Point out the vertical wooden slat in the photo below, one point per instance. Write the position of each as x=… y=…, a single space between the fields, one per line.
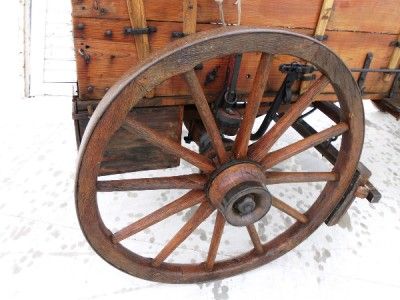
x=138 y=20
x=320 y=29
x=324 y=16
x=394 y=60
x=189 y=16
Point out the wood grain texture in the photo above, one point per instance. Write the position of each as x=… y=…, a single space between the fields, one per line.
x=287 y=209
x=137 y=17
x=194 y=181
x=293 y=177
x=394 y=61
x=112 y=57
x=215 y=241
x=324 y=16
x=252 y=107
x=206 y=115
x=275 y=157
x=168 y=145
x=199 y=216
x=188 y=200
x=126 y=152
x=189 y=16
x=347 y=16
x=255 y=239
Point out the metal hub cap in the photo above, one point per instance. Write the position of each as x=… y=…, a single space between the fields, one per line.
x=238 y=191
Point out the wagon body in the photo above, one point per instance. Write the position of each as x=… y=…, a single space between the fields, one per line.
x=105 y=50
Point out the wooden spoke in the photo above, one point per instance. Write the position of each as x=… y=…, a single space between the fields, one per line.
x=200 y=215
x=215 y=241
x=273 y=158
x=190 y=182
x=206 y=115
x=168 y=144
x=253 y=104
x=291 y=177
x=287 y=209
x=188 y=200
x=259 y=149
x=255 y=239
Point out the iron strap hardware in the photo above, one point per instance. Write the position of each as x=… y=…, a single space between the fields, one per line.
x=321 y=38
x=395 y=44
x=85 y=55
x=136 y=31
x=294 y=72
x=178 y=34
x=363 y=75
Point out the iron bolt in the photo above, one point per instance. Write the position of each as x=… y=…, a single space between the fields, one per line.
x=80 y=26
x=245 y=205
x=108 y=33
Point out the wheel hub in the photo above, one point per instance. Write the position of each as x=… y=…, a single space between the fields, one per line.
x=238 y=191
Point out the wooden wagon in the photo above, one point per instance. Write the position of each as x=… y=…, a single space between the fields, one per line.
x=213 y=67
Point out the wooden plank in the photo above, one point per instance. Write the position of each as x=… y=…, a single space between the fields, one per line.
x=324 y=16
x=138 y=20
x=127 y=152
x=394 y=60
x=110 y=58
x=319 y=34
x=189 y=16
x=352 y=15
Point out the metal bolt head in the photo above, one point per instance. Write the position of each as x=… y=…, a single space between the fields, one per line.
x=108 y=33
x=245 y=205
x=80 y=26
x=90 y=89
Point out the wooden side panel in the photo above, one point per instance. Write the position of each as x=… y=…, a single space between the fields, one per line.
x=112 y=57
x=355 y=15
x=128 y=153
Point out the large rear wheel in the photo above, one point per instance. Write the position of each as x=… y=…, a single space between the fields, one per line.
x=237 y=181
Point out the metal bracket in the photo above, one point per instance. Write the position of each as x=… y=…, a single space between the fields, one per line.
x=178 y=34
x=363 y=75
x=321 y=38
x=136 y=31
x=395 y=44
x=85 y=55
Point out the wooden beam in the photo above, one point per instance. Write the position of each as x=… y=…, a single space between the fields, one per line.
x=138 y=20
x=189 y=16
x=394 y=60
x=324 y=16
x=319 y=33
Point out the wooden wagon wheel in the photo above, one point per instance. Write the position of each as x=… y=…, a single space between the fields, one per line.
x=236 y=183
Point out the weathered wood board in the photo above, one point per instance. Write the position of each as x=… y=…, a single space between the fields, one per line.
x=111 y=57
x=354 y=15
x=126 y=152
x=104 y=52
